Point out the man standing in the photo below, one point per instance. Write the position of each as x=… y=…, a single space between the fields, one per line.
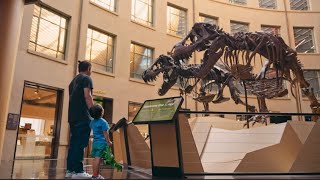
x=80 y=101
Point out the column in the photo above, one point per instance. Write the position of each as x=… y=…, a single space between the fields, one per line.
x=11 y=13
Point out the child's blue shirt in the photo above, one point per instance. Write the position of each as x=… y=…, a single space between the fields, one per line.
x=98 y=126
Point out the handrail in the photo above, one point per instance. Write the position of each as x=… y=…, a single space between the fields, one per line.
x=252 y=174
x=122 y=122
x=248 y=113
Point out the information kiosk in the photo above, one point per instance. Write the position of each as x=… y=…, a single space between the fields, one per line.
x=165 y=144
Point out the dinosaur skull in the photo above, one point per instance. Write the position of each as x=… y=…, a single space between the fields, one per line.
x=201 y=37
x=165 y=65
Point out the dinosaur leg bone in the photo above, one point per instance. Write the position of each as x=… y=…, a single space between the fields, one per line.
x=314 y=104
x=234 y=92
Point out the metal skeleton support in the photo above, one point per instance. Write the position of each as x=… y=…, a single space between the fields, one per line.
x=246 y=97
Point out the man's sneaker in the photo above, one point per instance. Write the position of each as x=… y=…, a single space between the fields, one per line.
x=69 y=174
x=98 y=177
x=82 y=175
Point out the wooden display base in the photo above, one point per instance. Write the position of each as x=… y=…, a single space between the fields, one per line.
x=172 y=151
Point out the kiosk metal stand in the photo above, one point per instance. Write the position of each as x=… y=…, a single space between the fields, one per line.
x=165 y=146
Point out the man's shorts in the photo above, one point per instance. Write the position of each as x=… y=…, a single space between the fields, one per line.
x=97 y=149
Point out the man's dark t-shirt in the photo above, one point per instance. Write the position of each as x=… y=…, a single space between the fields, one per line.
x=78 y=109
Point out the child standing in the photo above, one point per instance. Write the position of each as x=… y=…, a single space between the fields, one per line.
x=101 y=138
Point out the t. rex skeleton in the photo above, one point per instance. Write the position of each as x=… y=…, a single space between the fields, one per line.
x=215 y=42
x=177 y=71
x=243 y=46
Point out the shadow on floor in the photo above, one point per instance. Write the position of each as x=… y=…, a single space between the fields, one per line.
x=55 y=169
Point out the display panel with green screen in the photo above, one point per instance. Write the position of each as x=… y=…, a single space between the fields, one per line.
x=158 y=110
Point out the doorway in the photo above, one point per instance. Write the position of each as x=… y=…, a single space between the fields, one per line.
x=39 y=126
x=107 y=104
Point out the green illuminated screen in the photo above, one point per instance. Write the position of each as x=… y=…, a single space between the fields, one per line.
x=158 y=110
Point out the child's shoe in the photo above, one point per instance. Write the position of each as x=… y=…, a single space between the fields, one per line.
x=82 y=175
x=69 y=174
x=98 y=177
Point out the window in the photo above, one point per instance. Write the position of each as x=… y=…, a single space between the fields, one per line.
x=303 y=38
x=241 y=2
x=48 y=33
x=269 y=4
x=107 y=4
x=107 y=104
x=208 y=19
x=271 y=29
x=133 y=109
x=140 y=60
x=313 y=77
x=142 y=11
x=239 y=27
x=176 y=21
x=299 y=5
x=100 y=50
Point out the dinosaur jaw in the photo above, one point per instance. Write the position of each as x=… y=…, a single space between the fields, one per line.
x=165 y=87
x=161 y=65
x=169 y=79
x=150 y=75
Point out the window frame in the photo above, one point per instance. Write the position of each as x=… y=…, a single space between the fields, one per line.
x=308 y=6
x=312 y=38
x=268 y=7
x=65 y=40
x=133 y=74
x=216 y=19
x=113 y=49
x=239 y=2
x=133 y=17
x=168 y=29
x=317 y=71
x=271 y=26
x=105 y=8
x=238 y=22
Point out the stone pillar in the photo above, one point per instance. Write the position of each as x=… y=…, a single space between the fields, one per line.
x=11 y=13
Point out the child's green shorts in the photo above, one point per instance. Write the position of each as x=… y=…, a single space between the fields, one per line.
x=97 y=149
